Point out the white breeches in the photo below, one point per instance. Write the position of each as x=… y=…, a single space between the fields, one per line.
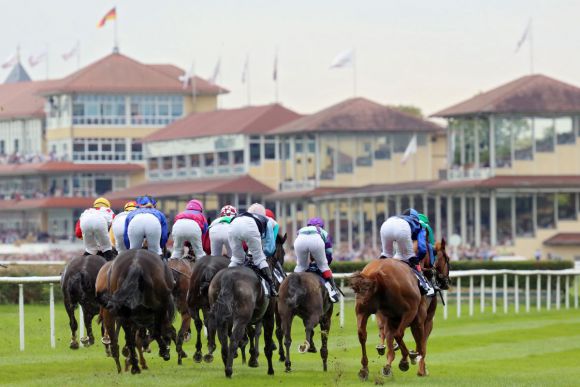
x=186 y=230
x=307 y=245
x=118 y=227
x=145 y=227
x=219 y=237
x=95 y=233
x=397 y=230
x=245 y=229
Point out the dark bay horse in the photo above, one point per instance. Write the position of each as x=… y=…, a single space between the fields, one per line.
x=238 y=300
x=202 y=273
x=78 y=288
x=181 y=269
x=304 y=295
x=140 y=289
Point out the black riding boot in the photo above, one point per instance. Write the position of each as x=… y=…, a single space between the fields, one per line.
x=108 y=255
x=267 y=274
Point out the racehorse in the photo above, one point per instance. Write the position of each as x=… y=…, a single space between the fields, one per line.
x=203 y=271
x=181 y=269
x=140 y=289
x=78 y=287
x=238 y=299
x=389 y=287
x=304 y=295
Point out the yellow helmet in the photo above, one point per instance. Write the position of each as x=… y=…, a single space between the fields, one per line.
x=130 y=206
x=101 y=202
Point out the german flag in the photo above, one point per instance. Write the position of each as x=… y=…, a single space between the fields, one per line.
x=111 y=15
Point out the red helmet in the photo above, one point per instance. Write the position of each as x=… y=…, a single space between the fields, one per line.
x=228 y=211
x=270 y=214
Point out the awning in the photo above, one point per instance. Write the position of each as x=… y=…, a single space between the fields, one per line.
x=564 y=239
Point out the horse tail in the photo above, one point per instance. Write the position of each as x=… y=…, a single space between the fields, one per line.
x=205 y=280
x=74 y=286
x=222 y=307
x=362 y=285
x=296 y=292
x=130 y=294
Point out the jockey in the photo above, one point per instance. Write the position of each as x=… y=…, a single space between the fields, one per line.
x=272 y=216
x=220 y=230
x=257 y=230
x=146 y=222
x=313 y=240
x=118 y=226
x=93 y=227
x=189 y=225
x=404 y=229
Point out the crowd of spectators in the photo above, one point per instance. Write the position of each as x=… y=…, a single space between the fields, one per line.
x=28 y=158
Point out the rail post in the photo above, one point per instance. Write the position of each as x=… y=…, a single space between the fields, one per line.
x=482 y=295
x=505 y=294
x=52 y=331
x=342 y=305
x=549 y=293
x=517 y=293
x=470 y=296
x=458 y=297
x=527 y=293
x=445 y=311
x=558 y=298
x=21 y=314
x=567 y=292
x=576 y=292
x=493 y=295
x=539 y=293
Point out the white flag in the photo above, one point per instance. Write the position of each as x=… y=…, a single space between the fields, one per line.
x=411 y=149
x=525 y=36
x=343 y=59
x=186 y=76
x=216 y=71
x=10 y=61
x=74 y=51
x=246 y=68
x=34 y=60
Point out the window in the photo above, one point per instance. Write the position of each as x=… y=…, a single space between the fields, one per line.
x=566 y=206
x=483 y=134
x=503 y=144
x=523 y=139
x=504 y=221
x=401 y=141
x=223 y=158
x=328 y=145
x=16 y=145
x=167 y=163
x=364 y=151
x=98 y=109
x=99 y=149
x=469 y=143
x=180 y=162
x=346 y=153
x=524 y=216
x=209 y=159
x=382 y=145
x=255 y=154
x=238 y=157
x=564 y=131
x=545 y=211
x=269 y=148
x=155 y=109
x=194 y=161
x=544 y=133
x=136 y=151
x=455 y=145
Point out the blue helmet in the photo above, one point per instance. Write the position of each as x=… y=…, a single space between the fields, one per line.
x=146 y=201
x=411 y=212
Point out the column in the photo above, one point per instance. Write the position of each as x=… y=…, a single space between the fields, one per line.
x=317 y=159
x=477 y=219
x=292 y=232
x=361 y=219
x=426 y=205
x=349 y=219
x=398 y=204
x=236 y=200
x=283 y=217
x=492 y=219
x=492 y=145
x=278 y=208
x=374 y=222
x=337 y=221
x=386 y=207
x=513 y=217
x=463 y=210
x=449 y=215
x=438 y=216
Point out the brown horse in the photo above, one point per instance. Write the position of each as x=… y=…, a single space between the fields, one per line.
x=304 y=295
x=140 y=289
x=78 y=288
x=181 y=269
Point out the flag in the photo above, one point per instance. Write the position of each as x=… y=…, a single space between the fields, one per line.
x=525 y=35
x=34 y=60
x=69 y=54
x=10 y=61
x=275 y=71
x=343 y=59
x=216 y=71
x=411 y=149
x=245 y=70
x=111 y=15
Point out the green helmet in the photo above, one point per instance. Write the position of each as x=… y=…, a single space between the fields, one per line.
x=424 y=220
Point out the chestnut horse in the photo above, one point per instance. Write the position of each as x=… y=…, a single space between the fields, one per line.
x=181 y=269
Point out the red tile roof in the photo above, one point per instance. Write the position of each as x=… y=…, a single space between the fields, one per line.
x=54 y=167
x=564 y=239
x=358 y=114
x=179 y=188
x=247 y=120
x=541 y=181
x=53 y=202
x=530 y=94
x=118 y=73
x=21 y=100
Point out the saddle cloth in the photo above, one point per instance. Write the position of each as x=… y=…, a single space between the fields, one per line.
x=250 y=265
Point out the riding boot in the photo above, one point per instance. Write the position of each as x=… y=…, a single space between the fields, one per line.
x=108 y=255
x=333 y=291
x=267 y=274
x=86 y=253
x=425 y=287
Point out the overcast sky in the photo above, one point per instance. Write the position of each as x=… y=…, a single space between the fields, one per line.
x=427 y=53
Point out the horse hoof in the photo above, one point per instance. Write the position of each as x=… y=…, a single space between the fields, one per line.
x=387 y=371
x=288 y=369
x=363 y=375
x=423 y=374
x=144 y=367
x=396 y=347
x=404 y=366
x=106 y=340
x=312 y=350
x=208 y=358
x=183 y=354
x=253 y=363
x=125 y=351
x=270 y=372
x=229 y=373
x=135 y=370
x=74 y=345
x=303 y=348
x=282 y=358
x=197 y=357
x=381 y=350
x=187 y=337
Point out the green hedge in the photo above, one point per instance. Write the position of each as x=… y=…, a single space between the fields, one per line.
x=33 y=293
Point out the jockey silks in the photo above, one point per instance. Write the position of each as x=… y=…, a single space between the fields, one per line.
x=153 y=211
x=326 y=238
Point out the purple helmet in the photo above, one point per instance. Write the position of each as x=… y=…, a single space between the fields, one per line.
x=316 y=222
x=194 y=205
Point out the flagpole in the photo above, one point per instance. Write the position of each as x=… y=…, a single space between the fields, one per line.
x=193 y=86
x=46 y=64
x=78 y=54
x=116 y=43
x=276 y=76
x=248 y=81
x=354 y=72
x=531 y=46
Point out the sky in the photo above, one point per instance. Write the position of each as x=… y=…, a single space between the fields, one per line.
x=430 y=54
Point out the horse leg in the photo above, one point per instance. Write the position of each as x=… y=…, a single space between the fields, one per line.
x=211 y=332
x=243 y=345
x=185 y=322
x=399 y=332
x=238 y=331
x=140 y=339
x=382 y=329
x=361 y=322
x=130 y=333
x=418 y=331
x=70 y=310
x=89 y=339
x=324 y=331
x=268 y=340
x=252 y=333
x=222 y=333
x=279 y=335
x=388 y=335
x=198 y=327
x=309 y=325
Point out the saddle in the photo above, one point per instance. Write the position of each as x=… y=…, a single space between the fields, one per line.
x=313 y=268
x=250 y=265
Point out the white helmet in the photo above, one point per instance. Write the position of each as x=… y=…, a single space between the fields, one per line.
x=257 y=208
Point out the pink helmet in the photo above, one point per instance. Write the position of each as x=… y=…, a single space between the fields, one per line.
x=194 y=205
x=228 y=211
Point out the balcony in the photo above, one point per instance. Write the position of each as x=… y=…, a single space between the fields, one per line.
x=467 y=174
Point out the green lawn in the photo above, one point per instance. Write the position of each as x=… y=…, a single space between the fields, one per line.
x=531 y=349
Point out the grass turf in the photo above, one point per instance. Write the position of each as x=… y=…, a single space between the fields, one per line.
x=536 y=348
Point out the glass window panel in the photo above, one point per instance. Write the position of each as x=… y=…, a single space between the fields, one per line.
x=345 y=154
x=209 y=159
x=503 y=144
x=504 y=221
x=566 y=206
x=224 y=158
x=483 y=134
x=382 y=148
x=153 y=164
x=523 y=139
x=180 y=160
x=364 y=151
x=120 y=147
x=167 y=162
x=469 y=143
x=255 y=153
x=565 y=130
x=327 y=162
x=194 y=161
x=401 y=141
x=270 y=151
x=544 y=132
x=524 y=216
x=238 y=157
x=545 y=210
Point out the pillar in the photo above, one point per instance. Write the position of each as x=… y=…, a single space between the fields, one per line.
x=361 y=219
x=477 y=220
x=398 y=204
x=463 y=210
x=492 y=219
x=349 y=219
x=374 y=222
x=449 y=215
x=337 y=221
